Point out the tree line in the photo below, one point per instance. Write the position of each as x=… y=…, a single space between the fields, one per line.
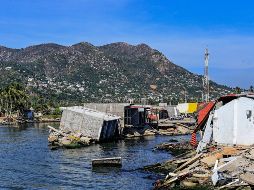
x=13 y=97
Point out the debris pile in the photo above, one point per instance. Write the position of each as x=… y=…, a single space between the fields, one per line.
x=222 y=167
x=67 y=139
x=130 y=132
x=175 y=148
x=228 y=121
x=177 y=129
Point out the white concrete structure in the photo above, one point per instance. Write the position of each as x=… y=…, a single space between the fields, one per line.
x=91 y=123
x=233 y=123
x=230 y=124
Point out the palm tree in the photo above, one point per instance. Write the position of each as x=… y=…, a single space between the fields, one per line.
x=13 y=98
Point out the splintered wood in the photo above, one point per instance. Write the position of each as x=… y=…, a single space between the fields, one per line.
x=226 y=163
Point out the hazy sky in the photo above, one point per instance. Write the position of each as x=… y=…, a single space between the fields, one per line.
x=181 y=29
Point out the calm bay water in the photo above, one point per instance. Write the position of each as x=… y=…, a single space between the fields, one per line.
x=26 y=162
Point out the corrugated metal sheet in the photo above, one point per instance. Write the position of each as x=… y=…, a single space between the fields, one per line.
x=204 y=112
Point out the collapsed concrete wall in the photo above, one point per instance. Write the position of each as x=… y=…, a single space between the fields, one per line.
x=91 y=123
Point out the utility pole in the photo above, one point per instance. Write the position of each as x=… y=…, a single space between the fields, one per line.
x=206 y=78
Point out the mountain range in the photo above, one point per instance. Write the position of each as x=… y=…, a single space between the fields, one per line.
x=114 y=72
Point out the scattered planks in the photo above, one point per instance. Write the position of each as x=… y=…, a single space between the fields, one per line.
x=184 y=171
x=60 y=132
x=233 y=168
x=189 y=162
x=107 y=162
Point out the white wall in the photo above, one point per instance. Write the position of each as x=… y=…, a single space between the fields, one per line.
x=230 y=123
x=183 y=107
x=245 y=127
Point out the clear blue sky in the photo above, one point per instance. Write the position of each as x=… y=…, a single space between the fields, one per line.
x=181 y=29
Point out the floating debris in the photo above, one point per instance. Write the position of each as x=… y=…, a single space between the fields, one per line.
x=107 y=162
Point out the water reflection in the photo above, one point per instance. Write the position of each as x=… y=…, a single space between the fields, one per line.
x=27 y=162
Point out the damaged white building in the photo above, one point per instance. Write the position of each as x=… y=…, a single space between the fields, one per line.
x=230 y=121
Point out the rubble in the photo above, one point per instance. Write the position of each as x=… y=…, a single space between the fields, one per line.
x=176 y=130
x=67 y=139
x=139 y=132
x=225 y=154
x=175 y=148
x=221 y=167
x=170 y=165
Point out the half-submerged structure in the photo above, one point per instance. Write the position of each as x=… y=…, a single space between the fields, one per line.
x=97 y=125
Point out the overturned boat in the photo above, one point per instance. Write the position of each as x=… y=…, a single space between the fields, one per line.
x=97 y=125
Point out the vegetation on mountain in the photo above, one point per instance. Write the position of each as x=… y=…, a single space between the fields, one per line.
x=68 y=75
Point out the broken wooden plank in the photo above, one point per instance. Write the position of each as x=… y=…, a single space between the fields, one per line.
x=189 y=162
x=60 y=132
x=191 y=166
x=174 y=178
x=181 y=161
x=201 y=175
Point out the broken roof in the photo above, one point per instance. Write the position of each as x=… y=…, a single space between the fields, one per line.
x=208 y=107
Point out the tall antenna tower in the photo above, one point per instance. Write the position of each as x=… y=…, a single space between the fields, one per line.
x=206 y=78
